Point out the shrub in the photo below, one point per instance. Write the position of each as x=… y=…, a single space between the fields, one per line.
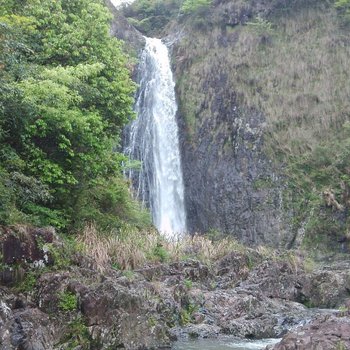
x=77 y=335
x=194 y=6
x=159 y=252
x=151 y=16
x=67 y=301
x=188 y=283
x=186 y=314
x=27 y=285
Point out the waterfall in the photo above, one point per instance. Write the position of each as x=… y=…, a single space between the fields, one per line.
x=153 y=139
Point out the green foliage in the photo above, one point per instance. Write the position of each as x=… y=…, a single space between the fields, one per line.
x=67 y=301
x=194 y=6
x=107 y=202
x=151 y=16
x=115 y=266
x=186 y=314
x=62 y=254
x=260 y=25
x=77 y=335
x=325 y=168
x=341 y=345
x=65 y=95
x=343 y=6
x=160 y=253
x=27 y=285
x=188 y=283
x=129 y=274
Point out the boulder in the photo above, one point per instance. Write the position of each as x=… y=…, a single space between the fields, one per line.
x=277 y=279
x=28 y=329
x=329 y=286
x=23 y=247
x=325 y=332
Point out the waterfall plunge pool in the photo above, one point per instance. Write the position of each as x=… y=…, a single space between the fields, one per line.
x=224 y=344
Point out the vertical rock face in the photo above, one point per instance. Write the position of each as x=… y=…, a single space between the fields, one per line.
x=229 y=183
x=121 y=29
x=246 y=92
x=246 y=105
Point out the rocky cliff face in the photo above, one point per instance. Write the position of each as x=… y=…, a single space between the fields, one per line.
x=230 y=184
x=250 y=115
x=226 y=173
x=121 y=29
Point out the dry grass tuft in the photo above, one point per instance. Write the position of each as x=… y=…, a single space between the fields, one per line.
x=202 y=248
x=131 y=249
x=95 y=247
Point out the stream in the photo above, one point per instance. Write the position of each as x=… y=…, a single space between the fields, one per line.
x=224 y=344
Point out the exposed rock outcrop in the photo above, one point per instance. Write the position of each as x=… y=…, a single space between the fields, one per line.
x=121 y=29
x=245 y=294
x=325 y=332
x=329 y=286
x=222 y=139
x=23 y=247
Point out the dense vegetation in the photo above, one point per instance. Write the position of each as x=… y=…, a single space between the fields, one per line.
x=151 y=17
x=65 y=94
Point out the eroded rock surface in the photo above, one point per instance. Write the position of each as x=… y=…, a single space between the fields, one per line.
x=245 y=294
x=325 y=332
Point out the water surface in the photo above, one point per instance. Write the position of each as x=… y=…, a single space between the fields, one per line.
x=224 y=344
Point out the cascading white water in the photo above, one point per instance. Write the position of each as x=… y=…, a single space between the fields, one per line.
x=153 y=139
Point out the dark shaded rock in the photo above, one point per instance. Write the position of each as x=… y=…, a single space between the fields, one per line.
x=174 y=273
x=29 y=329
x=231 y=14
x=157 y=272
x=119 y=315
x=325 y=332
x=234 y=268
x=196 y=331
x=224 y=156
x=277 y=279
x=23 y=247
x=328 y=287
x=49 y=287
x=252 y=315
x=121 y=29
x=23 y=244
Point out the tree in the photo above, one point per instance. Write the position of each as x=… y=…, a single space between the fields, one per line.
x=66 y=95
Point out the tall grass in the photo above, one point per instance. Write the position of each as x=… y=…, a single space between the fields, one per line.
x=295 y=71
x=132 y=249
